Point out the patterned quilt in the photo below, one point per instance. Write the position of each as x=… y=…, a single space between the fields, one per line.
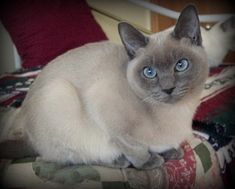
x=208 y=162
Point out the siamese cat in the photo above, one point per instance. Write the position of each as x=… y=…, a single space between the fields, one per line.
x=219 y=40
x=114 y=105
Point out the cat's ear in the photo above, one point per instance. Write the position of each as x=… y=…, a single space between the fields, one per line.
x=188 y=25
x=131 y=38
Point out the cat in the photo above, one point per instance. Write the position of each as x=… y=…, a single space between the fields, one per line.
x=116 y=105
x=219 y=40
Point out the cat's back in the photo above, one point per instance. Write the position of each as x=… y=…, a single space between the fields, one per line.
x=84 y=65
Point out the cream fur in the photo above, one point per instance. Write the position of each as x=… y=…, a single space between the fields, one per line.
x=93 y=105
x=218 y=43
x=81 y=101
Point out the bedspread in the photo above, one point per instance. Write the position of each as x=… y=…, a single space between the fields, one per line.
x=208 y=161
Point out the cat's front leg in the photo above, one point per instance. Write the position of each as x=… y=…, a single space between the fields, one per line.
x=137 y=153
x=173 y=154
x=120 y=163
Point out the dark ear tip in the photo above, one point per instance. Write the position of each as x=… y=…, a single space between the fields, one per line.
x=122 y=25
x=188 y=25
x=190 y=8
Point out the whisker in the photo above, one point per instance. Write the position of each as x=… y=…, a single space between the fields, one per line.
x=147 y=98
x=153 y=98
x=181 y=92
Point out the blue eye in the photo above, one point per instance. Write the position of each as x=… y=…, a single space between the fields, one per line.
x=150 y=72
x=182 y=65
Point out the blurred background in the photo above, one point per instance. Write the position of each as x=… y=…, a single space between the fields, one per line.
x=108 y=13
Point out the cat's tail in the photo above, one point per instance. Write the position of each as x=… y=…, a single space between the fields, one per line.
x=13 y=141
x=9 y=128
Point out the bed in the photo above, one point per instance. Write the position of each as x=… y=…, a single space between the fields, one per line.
x=209 y=159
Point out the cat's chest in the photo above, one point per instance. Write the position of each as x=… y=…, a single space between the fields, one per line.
x=166 y=126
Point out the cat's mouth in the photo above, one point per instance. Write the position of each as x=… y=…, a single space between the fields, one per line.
x=167 y=98
x=170 y=99
x=161 y=96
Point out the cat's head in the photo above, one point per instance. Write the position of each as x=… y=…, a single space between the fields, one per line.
x=167 y=66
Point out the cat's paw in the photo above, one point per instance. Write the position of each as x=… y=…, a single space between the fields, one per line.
x=120 y=163
x=173 y=154
x=155 y=161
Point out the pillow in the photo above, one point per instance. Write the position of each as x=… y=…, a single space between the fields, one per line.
x=42 y=30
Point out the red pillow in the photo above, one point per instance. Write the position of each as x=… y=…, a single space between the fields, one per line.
x=42 y=30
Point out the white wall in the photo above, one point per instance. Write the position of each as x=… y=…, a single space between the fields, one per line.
x=124 y=10
x=7 y=58
x=109 y=26
x=108 y=13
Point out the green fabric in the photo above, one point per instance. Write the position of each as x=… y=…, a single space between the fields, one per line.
x=204 y=155
x=63 y=173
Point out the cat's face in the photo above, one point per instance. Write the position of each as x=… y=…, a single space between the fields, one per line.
x=168 y=71
x=167 y=66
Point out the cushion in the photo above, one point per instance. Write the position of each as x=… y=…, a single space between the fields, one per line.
x=199 y=167
x=42 y=30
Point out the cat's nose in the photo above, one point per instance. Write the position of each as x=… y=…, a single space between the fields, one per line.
x=168 y=91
